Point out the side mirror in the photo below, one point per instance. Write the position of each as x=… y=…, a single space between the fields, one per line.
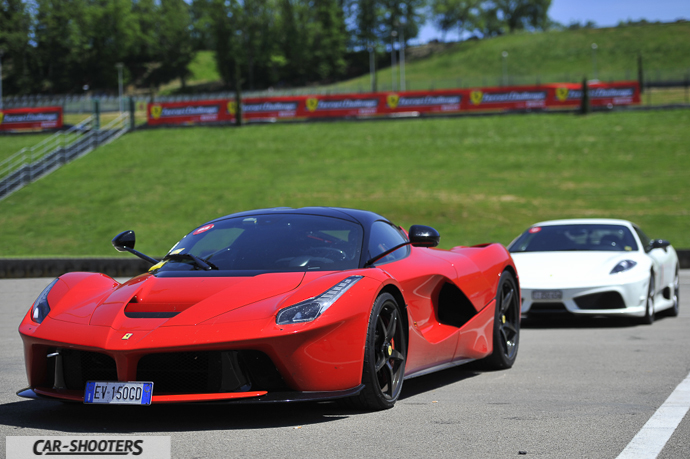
x=123 y=241
x=423 y=236
x=660 y=244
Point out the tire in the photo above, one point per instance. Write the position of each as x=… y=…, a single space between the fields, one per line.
x=648 y=318
x=385 y=353
x=506 y=325
x=673 y=312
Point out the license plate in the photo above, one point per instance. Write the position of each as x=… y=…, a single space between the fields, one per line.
x=547 y=294
x=118 y=393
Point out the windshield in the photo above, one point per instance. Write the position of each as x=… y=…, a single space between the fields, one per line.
x=276 y=242
x=614 y=238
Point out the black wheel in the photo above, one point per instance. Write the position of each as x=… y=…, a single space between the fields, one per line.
x=648 y=318
x=673 y=312
x=506 y=325
x=384 y=356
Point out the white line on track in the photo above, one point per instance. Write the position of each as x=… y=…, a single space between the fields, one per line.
x=649 y=441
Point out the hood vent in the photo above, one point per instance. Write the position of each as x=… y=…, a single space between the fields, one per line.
x=139 y=309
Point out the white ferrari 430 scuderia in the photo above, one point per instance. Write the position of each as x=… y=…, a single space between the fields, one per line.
x=595 y=267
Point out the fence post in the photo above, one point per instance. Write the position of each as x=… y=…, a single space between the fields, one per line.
x=584 y=107
x=96 y=122
x=640 y=73
x=132 y=122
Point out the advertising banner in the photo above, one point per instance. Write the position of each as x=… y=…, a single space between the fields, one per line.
x=560 y=95
x=31 y=118
x=507 y=98
x=342 y=106
x=267 y=109
x=203 y=111
x=423 y=101
x=600 y=94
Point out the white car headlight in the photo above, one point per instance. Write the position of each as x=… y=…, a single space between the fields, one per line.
x=312 y=308
x=622 y=266
x=41 y=308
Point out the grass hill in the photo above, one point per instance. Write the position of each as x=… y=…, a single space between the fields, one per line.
x=553 y=56
x=547 y=56
x=474 y=179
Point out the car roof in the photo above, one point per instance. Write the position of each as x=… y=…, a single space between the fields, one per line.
x=363 y=217
x=585 y=221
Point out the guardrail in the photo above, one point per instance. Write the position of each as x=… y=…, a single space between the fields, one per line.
x=30 y=164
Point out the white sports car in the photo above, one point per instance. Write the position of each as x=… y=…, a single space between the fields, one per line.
x=595 y=267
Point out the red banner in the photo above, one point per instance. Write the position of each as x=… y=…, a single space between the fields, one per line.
x=205 y=111
x=390 y=103
x=30 y=118
x=600 y=94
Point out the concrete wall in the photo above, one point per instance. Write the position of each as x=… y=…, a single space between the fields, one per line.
x=53 y=267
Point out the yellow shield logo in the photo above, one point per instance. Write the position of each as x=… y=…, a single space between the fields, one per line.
x=312 y=104
x=476 y=97
x=232 y=107
x=392 y=101
x=127 y=336
x=562 y=94
x=156 y=111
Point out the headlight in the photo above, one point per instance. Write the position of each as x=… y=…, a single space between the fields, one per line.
x=41 y=308
x=623 y=266
x=310 y=309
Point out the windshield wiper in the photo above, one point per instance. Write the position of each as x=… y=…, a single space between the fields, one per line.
x=205 y=265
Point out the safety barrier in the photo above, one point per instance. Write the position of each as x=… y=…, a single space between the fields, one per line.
x=391 y=104
x=30 y=164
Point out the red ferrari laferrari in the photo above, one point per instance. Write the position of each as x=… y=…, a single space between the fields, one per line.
x=275 y=305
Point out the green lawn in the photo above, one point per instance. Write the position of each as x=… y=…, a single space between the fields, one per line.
x=11 y=144
x=474 y=179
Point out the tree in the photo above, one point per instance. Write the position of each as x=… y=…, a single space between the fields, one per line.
x=19 y=58
x=110 y=35
x=62 y=47
x=328 y=40
x=522 y=14
x=449 y=14
x=142 y=61
x=367 y=15
x=202 y=25
x=176 y=49
x=407 y=15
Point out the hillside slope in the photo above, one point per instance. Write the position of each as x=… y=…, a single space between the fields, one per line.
x=552 y=56
x=474 y=179
x=543 y=56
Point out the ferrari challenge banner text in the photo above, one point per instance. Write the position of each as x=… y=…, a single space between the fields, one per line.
x=390 y=103
x=31 y=118
x=600 y=94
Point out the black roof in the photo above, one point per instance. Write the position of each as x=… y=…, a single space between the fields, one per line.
x=363 y=217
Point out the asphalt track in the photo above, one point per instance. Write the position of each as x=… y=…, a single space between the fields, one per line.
x=579 y=389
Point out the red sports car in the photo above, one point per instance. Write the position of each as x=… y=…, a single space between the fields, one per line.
x=275 y=305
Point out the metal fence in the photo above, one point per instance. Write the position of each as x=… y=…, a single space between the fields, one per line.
x=30 y=164
x=111 y=103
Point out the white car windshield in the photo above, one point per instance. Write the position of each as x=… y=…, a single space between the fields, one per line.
x=585 y=237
